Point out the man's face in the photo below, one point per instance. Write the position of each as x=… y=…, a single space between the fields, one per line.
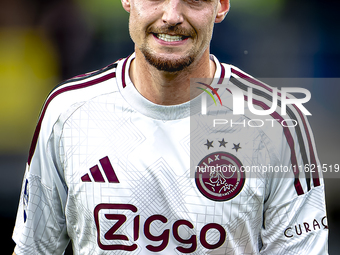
x=172 y=34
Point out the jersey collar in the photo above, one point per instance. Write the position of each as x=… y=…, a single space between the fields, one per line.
x=155 y=111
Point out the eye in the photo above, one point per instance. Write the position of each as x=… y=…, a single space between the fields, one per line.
x=198 y=1
x=195 y=1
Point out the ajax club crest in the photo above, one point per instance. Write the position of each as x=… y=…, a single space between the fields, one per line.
x=219 y=177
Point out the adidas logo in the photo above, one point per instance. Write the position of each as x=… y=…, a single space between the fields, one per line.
x=97 y=174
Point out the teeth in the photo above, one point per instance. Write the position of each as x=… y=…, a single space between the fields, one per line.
x=170 y=38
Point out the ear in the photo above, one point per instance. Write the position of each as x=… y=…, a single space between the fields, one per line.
x=126 y=5
x=222 y=10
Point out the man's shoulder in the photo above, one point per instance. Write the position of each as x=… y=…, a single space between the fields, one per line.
x=264 y=108
x=244 y=77
x=85 y=81
x=70 y=94
x=74 y=92
x=81 y=88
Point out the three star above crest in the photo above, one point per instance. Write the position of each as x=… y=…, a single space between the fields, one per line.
x=223 y=143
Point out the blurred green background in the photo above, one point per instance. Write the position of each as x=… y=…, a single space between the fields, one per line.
x=43 y=42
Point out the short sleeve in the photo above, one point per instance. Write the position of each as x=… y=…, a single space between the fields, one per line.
x=40 y=226
x=295 y=220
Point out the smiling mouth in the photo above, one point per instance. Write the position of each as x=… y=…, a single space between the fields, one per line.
x=171 y=38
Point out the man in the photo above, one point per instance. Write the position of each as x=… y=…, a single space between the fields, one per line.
x=109 y=165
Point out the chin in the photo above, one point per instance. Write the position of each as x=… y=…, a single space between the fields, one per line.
x=168 y=64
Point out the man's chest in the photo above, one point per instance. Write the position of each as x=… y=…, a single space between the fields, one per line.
x=138 y=184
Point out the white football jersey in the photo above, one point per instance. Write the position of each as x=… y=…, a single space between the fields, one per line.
x=118 y=174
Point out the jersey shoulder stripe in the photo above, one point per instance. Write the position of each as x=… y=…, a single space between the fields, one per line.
x=304 y=134
x=263 y=93
x=220 y=81
x=76 y=83
x=89 y=74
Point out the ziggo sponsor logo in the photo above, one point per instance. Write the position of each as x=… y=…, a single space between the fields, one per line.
x=120 y=219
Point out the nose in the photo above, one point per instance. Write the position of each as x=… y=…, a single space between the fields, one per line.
x=172 y=12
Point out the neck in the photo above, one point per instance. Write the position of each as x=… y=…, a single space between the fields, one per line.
x=168 y=88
